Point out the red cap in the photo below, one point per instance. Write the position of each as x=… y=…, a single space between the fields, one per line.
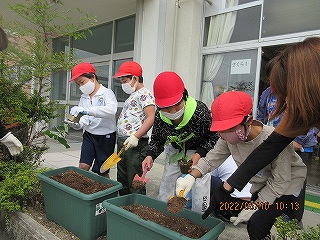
x=80 y=69
x=129 y=68
x=229 y=109
x=168 y=88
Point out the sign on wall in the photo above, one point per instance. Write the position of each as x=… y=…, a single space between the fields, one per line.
x=241 y=66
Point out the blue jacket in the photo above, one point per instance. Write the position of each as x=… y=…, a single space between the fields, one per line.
x=266 y=106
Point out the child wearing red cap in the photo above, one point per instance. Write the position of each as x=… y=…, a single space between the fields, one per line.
x=134 y=122
x=274 y=189
x=177 y=114
x=98 y=105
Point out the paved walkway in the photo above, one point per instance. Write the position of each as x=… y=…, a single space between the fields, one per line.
x=58 y=156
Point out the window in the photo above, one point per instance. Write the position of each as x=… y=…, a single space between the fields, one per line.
x=230 y=27
x=59 y=79
x=228 y=71
x=289 y=16
x=96 y=48
x=97 y=44
x=124 y=35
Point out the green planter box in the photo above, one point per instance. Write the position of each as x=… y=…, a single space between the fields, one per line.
x=123 y=224
x=82 y=214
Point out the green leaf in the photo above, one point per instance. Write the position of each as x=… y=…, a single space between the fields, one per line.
x=176 y=157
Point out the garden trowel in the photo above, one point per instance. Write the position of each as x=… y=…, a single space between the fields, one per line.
x=143 y=176
x=112 y=160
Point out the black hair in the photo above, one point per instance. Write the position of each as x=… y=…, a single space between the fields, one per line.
x=140 y=80
x=244 y=120
x=185 y=94
x=269 y=66
x=90 y=75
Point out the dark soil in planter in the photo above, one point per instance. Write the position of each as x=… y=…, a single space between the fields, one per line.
x=80 y=182
x=175 y=223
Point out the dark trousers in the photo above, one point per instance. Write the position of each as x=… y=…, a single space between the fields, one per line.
x=261 y=221
x=97 y=148
x=301 y=198
x=130 y=165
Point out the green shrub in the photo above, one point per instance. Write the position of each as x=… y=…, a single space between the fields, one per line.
x=20 y=186
x=291 y=230
x=310 y=233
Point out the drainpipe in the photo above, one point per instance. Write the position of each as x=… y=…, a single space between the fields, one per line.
x=177 y=6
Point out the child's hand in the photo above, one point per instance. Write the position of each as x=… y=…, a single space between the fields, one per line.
x=185 y=184
x=195 y=158
x=147 y=163
x=131 y=141
x=76 y=110
x=243 y=216
x=74 y=125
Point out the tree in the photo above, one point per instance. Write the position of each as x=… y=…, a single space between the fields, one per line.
x=25 y=70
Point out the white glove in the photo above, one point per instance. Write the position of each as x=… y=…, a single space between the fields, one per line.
x=131 y=141
x=244 y=215
x=12 y=143
x=74 y=125
x=184 y=183
x=76 y=110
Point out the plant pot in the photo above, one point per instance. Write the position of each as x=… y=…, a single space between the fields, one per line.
x=185 y=166
x=123 y=224
x=82 y=214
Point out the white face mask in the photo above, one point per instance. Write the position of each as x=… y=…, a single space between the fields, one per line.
x=173 y=116
x=87 y=88
x=126 y=87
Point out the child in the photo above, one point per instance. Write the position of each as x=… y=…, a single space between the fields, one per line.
x=98 y=105
x=274 y=189
x=177 y=113
x=134 y=122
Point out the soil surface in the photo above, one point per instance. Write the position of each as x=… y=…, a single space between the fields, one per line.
x=80 y=182
x=175 y=223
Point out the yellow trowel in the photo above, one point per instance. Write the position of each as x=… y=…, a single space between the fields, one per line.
x=112 y=160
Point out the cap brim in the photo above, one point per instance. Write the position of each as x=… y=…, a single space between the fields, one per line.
x=223 y=125
x=75 y=77
x=168 y=102
x=117 y=75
